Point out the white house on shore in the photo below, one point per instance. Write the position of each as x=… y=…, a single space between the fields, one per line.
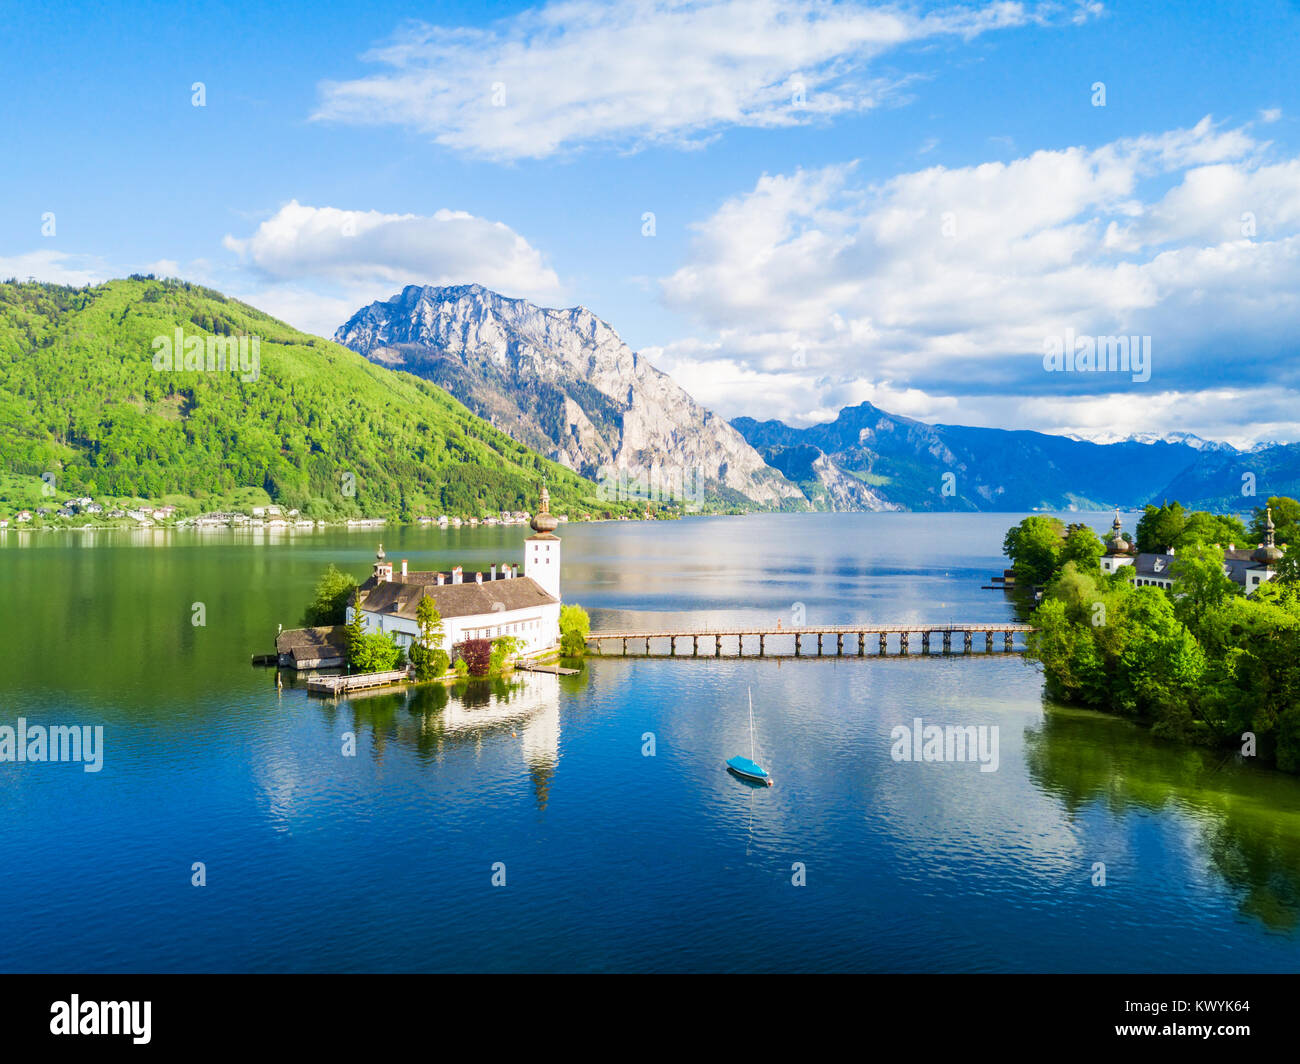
x=1244 y=566
x=481 y=605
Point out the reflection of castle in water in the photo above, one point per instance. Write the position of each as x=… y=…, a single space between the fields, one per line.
x=526 y=707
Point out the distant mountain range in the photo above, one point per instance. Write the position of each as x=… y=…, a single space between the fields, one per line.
x=869 y=459
x=565 y=384
x=321 y=428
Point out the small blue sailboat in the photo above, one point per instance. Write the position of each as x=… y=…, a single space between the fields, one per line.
x=747 y=767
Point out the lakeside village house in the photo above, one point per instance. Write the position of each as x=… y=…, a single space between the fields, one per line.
x=1246 y=567
x=481 y=605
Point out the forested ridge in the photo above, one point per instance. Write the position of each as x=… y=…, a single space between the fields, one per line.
x=319 y=428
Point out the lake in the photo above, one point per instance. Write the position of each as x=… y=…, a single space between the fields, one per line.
x=611 y=859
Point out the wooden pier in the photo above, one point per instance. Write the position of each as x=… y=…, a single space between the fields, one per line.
x=554 y=670
x=342 y=685
x=882 y=632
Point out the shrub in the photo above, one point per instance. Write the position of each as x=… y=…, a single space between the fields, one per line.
x=376 y=652
x=477 y=655
x=503 y=647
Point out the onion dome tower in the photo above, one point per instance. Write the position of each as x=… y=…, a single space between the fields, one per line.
x=1267 y=553
x=543 y=521
x=1116 y=543
x=542 y=548
x=383 y=568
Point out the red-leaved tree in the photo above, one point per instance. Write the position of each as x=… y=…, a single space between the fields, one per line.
x=478 y=655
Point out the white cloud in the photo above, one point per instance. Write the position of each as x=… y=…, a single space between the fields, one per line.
x=577 y=72
x=367 y=247
x=946 y=282
x=54 y=267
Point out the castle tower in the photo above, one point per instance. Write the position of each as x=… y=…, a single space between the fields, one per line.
x=383 y=568
x=1119 y=551
x=542 y=549
x=1269 y=553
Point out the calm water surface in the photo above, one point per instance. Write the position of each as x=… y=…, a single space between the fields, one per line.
x=613 y=860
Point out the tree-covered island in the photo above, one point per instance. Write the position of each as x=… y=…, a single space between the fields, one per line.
x=1193 y=655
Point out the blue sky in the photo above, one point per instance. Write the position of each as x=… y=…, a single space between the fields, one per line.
x=900 y=204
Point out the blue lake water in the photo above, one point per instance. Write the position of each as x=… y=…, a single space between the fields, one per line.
x=613 y=860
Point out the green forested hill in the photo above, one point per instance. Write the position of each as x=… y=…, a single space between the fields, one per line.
x=80 y=397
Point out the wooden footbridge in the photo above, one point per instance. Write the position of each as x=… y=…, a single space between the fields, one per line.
x=902 y=634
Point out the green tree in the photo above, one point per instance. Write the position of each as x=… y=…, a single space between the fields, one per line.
x=575 y=626
x=1159 y=527
x=1203 y=527
x=427 y=656
x=356 y=631
x=329 y=604
x=1200 y=584
x=1034 y=547
x=1082 y=546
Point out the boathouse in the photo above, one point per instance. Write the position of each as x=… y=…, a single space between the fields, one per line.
x=312 y=648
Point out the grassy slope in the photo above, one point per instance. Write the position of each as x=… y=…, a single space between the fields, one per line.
x=79 y=396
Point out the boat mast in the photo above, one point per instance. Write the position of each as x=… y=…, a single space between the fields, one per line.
x=751 y=724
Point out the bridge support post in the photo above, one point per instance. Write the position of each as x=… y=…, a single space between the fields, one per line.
x=717 y=646
x=884 y=643
x=839 y=642
x=925 y=642
x=819 y=644
x=862 y=643
x=695 y=646
x=965 y=643
x=988 y=642
x=740 y=645
x=1007 y=641
x=647 y=646
x=625 y=646
x=798 y=644
x=902 y=643
x=947 y=642
x=761 y=640
x=672 y=645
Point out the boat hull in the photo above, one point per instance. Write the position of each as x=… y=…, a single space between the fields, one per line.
x=748 y=770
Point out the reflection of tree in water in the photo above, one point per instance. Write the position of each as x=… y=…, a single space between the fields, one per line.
x=1248 y=818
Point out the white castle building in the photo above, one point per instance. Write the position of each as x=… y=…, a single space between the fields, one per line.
x=1244 y=566
x=481 y=605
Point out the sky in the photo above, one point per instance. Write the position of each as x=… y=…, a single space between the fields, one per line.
x=790 y=206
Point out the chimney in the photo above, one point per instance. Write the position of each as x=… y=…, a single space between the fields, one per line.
x=458 y=575
x=438 y=579
x=505 y=572
x=403 y=568
x=493 y=576
x=478 y=577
